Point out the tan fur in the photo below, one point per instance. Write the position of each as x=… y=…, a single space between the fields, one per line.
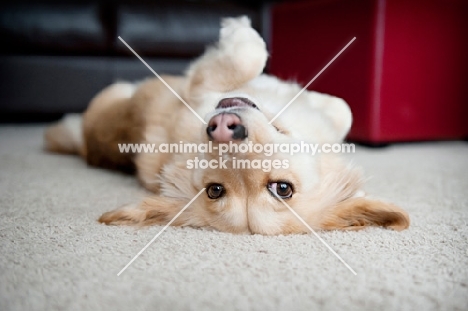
x=358 y=213
x=58 y=139
x=326 y=190
x=66 y=136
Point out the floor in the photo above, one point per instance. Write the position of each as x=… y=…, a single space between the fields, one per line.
x=55 y=256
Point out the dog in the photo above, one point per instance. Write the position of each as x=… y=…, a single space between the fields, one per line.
x=226 y=86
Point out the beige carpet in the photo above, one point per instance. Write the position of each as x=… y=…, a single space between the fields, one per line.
x=55 y=256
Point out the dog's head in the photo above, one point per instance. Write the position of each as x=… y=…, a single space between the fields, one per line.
x=248 y=189
x=248 y=192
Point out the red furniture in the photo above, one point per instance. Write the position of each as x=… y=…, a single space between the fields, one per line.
x=405 y=76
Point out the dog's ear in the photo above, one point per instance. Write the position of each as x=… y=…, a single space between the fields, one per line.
x=152 y=211
x=358 y=213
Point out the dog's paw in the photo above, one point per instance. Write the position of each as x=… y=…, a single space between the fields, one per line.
x=242 y=44
x=238 y=30
x=337 y=111
x=230 y=24
x=334 y=115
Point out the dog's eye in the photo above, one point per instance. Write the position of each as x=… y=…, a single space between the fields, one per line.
x=215 y=191
x=281 y=189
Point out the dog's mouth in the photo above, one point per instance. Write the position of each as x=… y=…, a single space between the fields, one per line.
x=236 y=102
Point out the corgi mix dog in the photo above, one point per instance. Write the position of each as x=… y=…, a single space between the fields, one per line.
x=227 y=87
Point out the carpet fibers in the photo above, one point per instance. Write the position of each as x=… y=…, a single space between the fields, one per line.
x=55 y=256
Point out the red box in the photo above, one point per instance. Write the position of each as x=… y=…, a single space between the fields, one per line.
x=405 y=75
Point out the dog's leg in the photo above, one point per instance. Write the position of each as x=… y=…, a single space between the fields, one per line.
x=112 y=118
x=238 y=57
x=334 y=109
x=66 y=136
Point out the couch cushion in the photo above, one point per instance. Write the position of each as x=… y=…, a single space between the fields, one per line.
x=52 y=28
x=52 y=84
x=178 y=29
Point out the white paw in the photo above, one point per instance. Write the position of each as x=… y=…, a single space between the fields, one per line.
x=235 y=31
x=230 y=24
x=340 y=113
x=243 y=45
x=335 y=109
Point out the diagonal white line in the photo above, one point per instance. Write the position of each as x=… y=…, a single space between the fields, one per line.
x=159 y=77
x=157 y=235
x=310 y=82
x=315 y=233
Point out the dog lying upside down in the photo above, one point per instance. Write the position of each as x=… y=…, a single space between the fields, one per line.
x=227 y=87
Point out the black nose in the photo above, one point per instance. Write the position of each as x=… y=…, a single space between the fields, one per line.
x=239 y=132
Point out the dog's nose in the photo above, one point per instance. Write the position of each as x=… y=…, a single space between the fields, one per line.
x=226 y=127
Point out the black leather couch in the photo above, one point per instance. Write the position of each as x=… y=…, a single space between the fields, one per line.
x=56 y=55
